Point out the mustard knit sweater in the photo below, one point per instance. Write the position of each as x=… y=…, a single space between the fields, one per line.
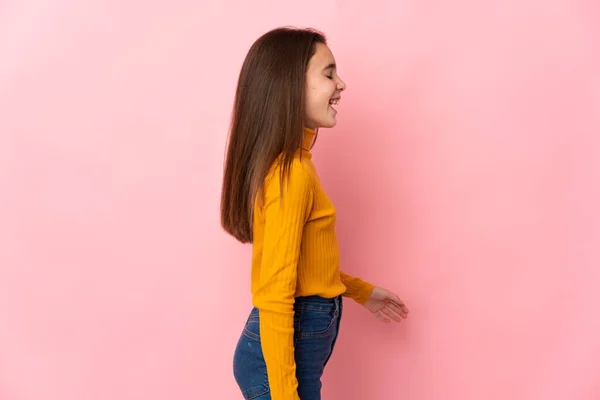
x=295 y=253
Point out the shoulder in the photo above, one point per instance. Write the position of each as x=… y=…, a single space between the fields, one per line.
x=299 y=176
x=301 y=168
x=298 y=187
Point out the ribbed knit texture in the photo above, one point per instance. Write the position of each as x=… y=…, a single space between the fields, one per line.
x=295 y=253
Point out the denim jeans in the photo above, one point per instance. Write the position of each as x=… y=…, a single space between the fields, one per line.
x=316 y=327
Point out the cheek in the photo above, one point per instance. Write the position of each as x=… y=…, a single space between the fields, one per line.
x=319 y=95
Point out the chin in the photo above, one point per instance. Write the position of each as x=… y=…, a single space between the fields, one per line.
x=328 y=124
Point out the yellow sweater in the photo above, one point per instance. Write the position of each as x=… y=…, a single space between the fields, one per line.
x=295 y=253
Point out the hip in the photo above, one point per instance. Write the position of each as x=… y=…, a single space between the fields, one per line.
x=316 y=328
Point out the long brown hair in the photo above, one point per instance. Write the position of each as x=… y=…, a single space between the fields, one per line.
x=267 y=120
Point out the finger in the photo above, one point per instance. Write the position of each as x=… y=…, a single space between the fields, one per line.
x=397 y=309
x=381 y=317
x=390 y=314
x=400 y=304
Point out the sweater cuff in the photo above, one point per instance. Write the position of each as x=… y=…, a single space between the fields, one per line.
x=356 y=288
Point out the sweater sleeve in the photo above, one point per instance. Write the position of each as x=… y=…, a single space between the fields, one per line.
x=285 y=217
x=356 y=288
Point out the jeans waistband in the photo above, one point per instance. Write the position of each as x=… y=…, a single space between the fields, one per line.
x=317 y=299
x=318 y=303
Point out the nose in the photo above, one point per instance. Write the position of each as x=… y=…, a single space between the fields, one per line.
x=341 y=85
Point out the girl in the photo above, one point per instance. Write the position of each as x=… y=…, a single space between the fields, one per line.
x=271 y=197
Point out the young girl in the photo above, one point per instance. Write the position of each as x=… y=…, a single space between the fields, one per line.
x=287 y=89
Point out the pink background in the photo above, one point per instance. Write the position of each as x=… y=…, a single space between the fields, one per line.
x=464 y=168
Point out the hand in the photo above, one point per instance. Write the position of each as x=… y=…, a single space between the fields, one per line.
x=386 y=306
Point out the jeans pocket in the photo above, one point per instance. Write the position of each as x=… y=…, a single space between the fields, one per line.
x=249 y=367
x=252 y=328
x=315 y=323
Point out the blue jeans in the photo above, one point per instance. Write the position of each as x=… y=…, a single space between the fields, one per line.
x=316 y=327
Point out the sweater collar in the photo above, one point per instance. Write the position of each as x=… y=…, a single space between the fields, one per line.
x=309 y=136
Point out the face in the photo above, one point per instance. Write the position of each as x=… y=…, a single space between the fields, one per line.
x=323 y=89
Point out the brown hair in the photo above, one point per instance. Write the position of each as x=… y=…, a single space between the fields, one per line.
x=267 y=121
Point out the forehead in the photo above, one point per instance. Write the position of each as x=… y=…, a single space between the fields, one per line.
x=322 y=57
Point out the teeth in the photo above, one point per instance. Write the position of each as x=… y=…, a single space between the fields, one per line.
x=334 y=101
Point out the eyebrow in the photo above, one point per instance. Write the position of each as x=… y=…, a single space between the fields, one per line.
x=332 y=65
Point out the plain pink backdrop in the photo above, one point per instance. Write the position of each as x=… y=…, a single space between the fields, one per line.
x=464 y=168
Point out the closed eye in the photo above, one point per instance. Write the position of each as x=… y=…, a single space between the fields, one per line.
x=331 y=69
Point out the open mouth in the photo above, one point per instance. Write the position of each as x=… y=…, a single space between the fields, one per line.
x=334 y=102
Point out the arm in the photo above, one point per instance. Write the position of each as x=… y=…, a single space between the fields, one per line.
x=356 y=288
x=284 y=224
